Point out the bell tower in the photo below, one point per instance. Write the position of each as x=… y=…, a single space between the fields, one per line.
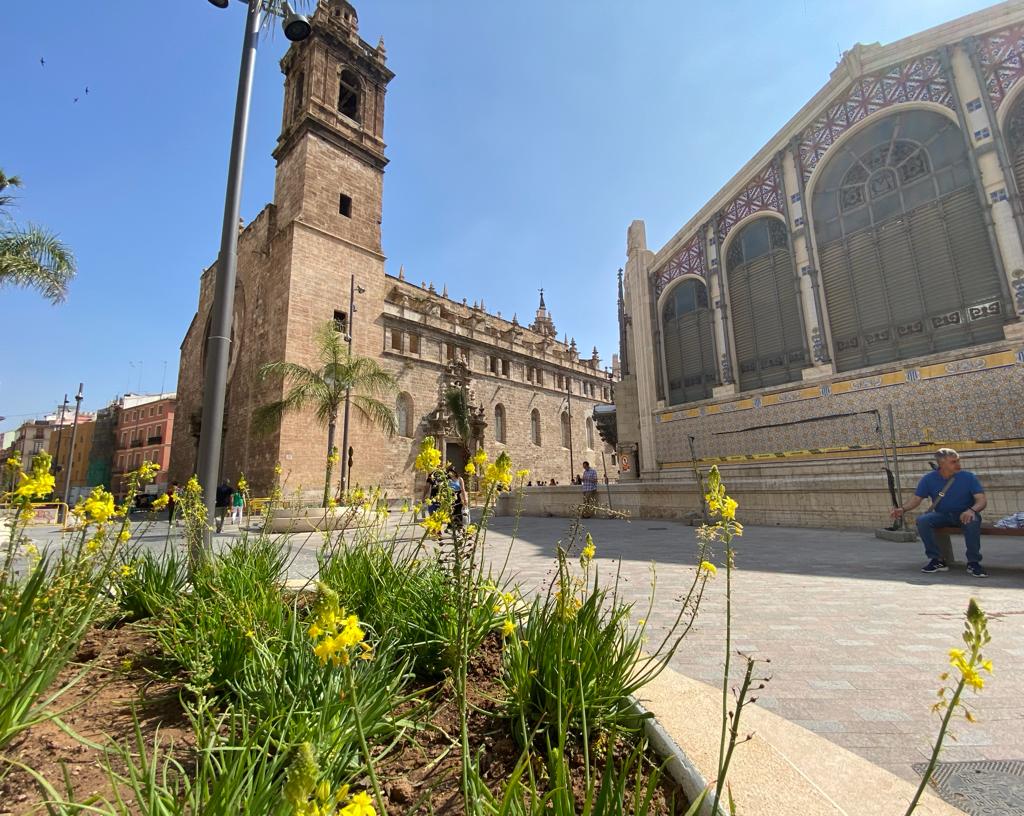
x=330 y=154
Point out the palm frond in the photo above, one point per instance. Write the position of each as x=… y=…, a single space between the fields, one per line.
x=455 y=402
x=36 y=259
x=377 y=413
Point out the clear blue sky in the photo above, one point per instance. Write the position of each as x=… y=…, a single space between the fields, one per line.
x=523 y=137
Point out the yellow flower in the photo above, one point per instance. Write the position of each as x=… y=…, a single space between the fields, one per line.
x=124 y=535
x=360 y=805
x=97 y=508
x=508 y=628
x=39 y=483
x=429 y=457
x=471 y=530
x=642 y=622
x=588 y=551
x=480 y=458
x=709 y=568
x=332 y=503
x=160 y=502
x=127 y=570
x=148 y=471
x=470 y=468
x=729 y=508
x=435 y=523
x=522 y=474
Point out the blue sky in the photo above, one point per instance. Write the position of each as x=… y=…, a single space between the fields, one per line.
x=524 y=138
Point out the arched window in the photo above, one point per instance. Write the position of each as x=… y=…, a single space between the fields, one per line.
x=403 y=414
x=766 y=324
x=535 y=426
x=566 y=430
x=687 y=337
x=499 y=422
x=590 y=434
x=348 y=95
x=906 y=264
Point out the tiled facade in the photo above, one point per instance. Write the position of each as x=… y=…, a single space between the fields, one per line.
x=296 y=263
x=786 y=443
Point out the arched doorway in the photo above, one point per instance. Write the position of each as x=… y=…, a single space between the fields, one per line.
x=687 y=338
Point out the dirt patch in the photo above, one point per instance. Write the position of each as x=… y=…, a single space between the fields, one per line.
x=421 y=776
x=113 y=681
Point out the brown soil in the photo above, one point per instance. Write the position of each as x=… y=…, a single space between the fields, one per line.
x=421 y=776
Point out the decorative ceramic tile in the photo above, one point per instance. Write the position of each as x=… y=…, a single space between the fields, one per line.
x=1000 y=56
x=764 y=192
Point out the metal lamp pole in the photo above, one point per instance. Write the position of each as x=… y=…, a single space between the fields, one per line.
x=348 y=391
x=218 y=346
x=71 y=450
x=60 y=434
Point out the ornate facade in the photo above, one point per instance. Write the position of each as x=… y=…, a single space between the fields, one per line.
x=871 y=255
x=527 y=392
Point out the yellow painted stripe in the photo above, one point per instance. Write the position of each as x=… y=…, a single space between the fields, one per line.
x=851 y=451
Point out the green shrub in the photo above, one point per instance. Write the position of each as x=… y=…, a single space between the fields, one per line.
x=147 y=584
x=573 y=664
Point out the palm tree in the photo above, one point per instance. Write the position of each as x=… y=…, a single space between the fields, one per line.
x=30 y=256
x=324 y=387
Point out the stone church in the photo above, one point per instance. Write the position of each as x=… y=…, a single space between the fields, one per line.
x=530 y=393
x=870 y=257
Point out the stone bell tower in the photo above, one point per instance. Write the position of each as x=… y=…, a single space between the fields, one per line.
x=330 y=154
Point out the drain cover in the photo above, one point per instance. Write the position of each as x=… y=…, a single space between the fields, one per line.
x=980 y=788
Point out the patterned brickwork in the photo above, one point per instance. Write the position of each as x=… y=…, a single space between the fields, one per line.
x=999 y=54
x=689 y=260
x=764 y=192
x=920 y=79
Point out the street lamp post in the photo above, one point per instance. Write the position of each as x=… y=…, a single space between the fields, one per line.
x=568 y=411
x=345 y=470
x=218 y=347
x=60 y=435
x=71 y=450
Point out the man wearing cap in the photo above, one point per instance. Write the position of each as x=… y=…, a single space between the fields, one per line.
x=957 y=501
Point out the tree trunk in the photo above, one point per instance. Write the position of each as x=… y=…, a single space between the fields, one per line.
x=330 y=457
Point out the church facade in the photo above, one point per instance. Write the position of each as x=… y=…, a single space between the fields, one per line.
x=529 y=393
x=868 y=259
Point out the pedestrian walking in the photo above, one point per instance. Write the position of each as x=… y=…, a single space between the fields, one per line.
x=957 y=501
x=223 y=502
x=170 y=503
x=237 y=505
x=589 y=487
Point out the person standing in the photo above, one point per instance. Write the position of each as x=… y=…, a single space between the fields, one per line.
x=237 y=505
x=957 y=501
x=170 y=503
x=589 y=486
x=223 y=501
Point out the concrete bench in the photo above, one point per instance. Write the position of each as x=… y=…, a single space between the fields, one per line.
x=942 y=535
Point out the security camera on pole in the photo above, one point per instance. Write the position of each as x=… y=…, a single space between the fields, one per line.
x=218 y=349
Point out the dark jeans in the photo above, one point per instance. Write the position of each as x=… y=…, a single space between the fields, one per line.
x=221 y=513
x=927 y=522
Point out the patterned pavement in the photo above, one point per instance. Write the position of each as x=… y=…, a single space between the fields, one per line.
x=857 y=636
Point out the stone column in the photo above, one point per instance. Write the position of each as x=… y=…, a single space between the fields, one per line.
x=796 y=220
x=719 y=314
x=639 y=308
x=977 y=118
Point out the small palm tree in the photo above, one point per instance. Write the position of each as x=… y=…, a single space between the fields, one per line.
x=30 y=256
x=324 y=387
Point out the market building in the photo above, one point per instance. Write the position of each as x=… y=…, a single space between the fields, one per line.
x=869 y=256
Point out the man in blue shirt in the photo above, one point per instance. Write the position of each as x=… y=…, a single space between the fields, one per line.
x=957 y=501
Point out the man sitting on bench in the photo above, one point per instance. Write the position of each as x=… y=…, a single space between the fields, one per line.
x=957 y=501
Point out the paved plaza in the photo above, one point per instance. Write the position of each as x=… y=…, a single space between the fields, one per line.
x=856 y=635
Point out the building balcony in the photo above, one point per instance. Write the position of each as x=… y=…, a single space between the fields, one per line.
x=155 y=440
x=135 y=443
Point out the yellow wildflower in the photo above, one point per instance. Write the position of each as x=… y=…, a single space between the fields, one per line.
x=429 y=457
x=508 y=628
x=709 y=568
x=127 y=570
x=588 y=551
x=97 y=508
x=148 y=471
x=729 y=506
x=38 y=484
x=470 y=468
x=471 y=530
x=360 y=805
x=160 y=502
x=480 y=458
x=124 y=535
x=522 y=474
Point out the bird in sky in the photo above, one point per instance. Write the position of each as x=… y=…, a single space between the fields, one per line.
x=42 y=62
x=86 y=90
x=76 y=99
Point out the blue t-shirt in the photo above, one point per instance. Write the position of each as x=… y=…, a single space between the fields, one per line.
x=960 y=495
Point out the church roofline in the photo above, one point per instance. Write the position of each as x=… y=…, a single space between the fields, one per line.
x=858 y=61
